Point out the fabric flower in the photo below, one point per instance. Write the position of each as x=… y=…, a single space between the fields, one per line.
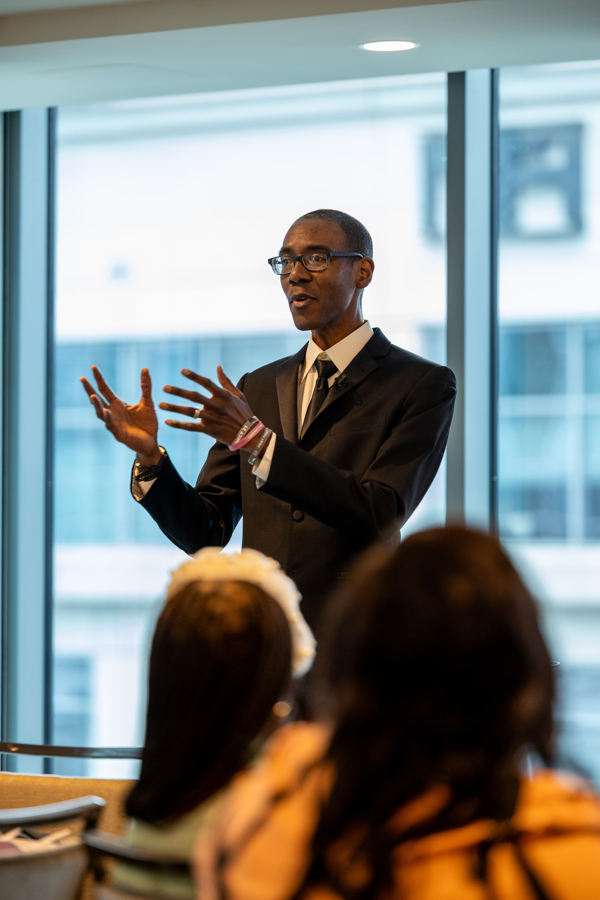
x=211 y=564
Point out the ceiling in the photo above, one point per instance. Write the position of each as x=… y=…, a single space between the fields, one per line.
x=70 y=56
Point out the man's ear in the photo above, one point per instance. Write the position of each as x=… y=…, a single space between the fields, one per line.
x=365 y=268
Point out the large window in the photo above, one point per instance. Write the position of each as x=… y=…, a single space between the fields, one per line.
x=549 y=406
x=167 y=212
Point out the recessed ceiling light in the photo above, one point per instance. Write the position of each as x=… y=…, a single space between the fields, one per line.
x=389 y=46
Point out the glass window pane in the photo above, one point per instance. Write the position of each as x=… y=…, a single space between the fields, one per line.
x=532 y=476
x=549 y=426
x=592 y=359
x=592 y=476
x=168 y=211
x=532 y=361
x=532 y=449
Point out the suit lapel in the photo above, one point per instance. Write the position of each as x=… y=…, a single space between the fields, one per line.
x=361 y=366
x=287 y=394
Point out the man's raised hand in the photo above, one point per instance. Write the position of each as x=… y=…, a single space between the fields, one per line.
x=135 y=426
x=221 y=415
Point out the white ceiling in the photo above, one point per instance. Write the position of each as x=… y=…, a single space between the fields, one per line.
x=452 y=36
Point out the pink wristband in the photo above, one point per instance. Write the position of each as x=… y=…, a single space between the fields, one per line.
x=246 y=440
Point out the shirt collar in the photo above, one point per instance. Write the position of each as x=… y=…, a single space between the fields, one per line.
x=342 y=353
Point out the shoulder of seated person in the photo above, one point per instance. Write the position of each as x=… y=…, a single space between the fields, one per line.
x=297 y=743
x=555 y=798
x=286 y=757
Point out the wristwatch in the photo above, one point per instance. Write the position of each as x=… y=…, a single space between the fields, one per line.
x=149 y=473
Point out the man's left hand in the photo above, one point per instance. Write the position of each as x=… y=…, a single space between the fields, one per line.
x=221 y=415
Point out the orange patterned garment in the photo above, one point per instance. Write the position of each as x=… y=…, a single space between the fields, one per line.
x=257 y=845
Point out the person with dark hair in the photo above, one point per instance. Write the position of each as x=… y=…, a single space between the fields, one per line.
x=324 y=452
x=420 y=786
x=225 y=647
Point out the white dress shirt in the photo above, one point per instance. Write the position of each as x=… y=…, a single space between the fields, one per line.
x=341 y=355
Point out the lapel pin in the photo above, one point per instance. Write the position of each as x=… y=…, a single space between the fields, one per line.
x=340 y=382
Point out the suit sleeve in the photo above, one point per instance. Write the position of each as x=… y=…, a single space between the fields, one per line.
x=395 y=482
x=204 y=516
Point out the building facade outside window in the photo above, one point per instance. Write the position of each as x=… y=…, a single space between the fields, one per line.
x=549 y=406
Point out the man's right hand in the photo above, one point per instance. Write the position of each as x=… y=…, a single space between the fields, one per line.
x=135 y=426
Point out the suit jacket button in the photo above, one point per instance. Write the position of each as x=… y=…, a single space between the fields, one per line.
x=298 y=515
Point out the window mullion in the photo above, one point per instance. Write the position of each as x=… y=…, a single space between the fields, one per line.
x=471 y=300
x=28 y=253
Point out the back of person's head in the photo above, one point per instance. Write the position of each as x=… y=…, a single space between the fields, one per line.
x=437 y=674
x=222 y=655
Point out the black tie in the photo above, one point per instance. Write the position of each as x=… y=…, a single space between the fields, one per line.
x=326 y=368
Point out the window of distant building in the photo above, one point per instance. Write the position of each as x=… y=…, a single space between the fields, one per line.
x=72 y=698
x=540 y=193
x=550 y=431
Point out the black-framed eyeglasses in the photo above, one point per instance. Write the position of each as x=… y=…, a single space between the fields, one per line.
x=317 y=261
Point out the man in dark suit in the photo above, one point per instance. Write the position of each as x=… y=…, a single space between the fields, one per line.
x=358 y=427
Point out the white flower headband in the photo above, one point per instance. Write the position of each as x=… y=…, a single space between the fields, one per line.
x=210 y=564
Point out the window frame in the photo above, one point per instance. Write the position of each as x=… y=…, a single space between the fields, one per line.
x=29 y=138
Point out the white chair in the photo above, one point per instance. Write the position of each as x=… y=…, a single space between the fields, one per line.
x=19 y=790
x=53 y=874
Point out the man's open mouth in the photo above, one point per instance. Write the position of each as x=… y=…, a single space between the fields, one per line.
x=300 y=300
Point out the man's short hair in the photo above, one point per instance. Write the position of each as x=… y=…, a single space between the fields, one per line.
x=358 y=238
